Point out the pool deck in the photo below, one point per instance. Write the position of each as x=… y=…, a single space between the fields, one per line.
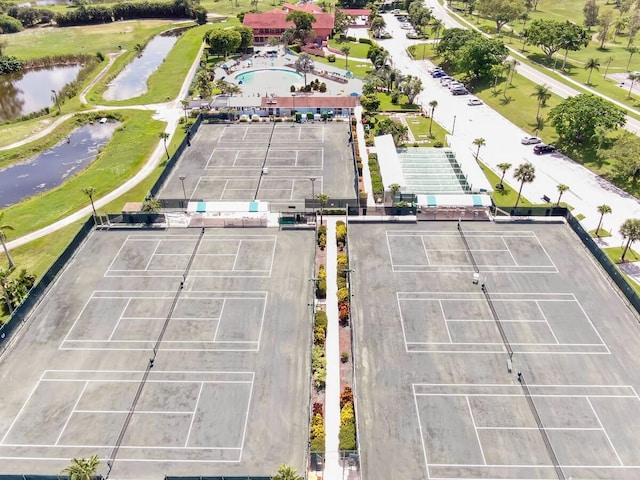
x=261 y=61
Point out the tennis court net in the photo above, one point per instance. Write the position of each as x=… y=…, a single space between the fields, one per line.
x=466 y=245
x=503 y=334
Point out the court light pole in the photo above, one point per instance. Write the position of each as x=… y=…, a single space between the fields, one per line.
x=313 y=186
x=182 y=176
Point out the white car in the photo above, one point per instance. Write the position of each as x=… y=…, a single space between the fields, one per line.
x=530 y=140
x=474 y=101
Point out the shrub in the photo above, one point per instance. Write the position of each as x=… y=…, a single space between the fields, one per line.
x=321 y=289
x=322 y=240
x=322 y=272
x=319 y=336
x=318 y=367
x=343 y=295
x=343 y=313
x=347 y=415
x=341 y=232
x=346 y=396
x=341 y=282
x=343 y=263
x=332 y=58
x=347 y=437
x=376 y=179
x=317 y=426
x=323 y=87
x=317 y=444
x=344 y=357
x=320 y=320
x=352 y=39
x=318 y=408
x=438 y=144
x=322 y=230
x=292 y=88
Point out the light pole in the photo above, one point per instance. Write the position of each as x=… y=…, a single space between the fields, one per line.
x=184 y=192
x=293 y=109
x=313 y=186
x=453 y=129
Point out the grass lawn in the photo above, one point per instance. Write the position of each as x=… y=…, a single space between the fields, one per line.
x=402 y=106
x=602 y=233
x=505 y=198
x=121 y=158
x=166 y=81
x=358 y=50
x=358 y=67
x=419 y=127
x=615 y=253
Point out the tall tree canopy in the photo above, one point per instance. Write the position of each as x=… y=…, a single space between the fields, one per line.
x=501 y=11
x=552 y=36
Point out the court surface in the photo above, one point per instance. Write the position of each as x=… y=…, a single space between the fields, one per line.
x=272 y=162
x=231 y=369
x=436 y=397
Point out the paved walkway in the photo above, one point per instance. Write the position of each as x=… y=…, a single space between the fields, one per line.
x=332 y=468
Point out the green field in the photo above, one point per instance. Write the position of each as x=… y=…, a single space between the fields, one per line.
x=419 y=127
x=358 y=51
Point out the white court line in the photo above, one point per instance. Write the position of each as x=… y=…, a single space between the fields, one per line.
x=264 y=312
x=86 y=304
x=475 y=429
x=591 y=323
x=115 y=257
x=237 y=254
x=509 y=250
x=152 y=254
x=131 y=447
x=468 y=465
x=246 y=419
x=64 y=427
x=518 y=395
x=571 y=429
x=115 y=327
x=605 y=432
x=512 y=343
x=424 y=447
x=426 y=250
x=215 y=333
x=122 y=460
x=547 y=322
x=444 y=318
x=141 y=412
x=193 y=415
x=224 y=189
x=404 y=333
x=21 y=409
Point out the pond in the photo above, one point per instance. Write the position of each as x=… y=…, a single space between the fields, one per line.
x=23 y=93
x=56 y=165
x=132 y=81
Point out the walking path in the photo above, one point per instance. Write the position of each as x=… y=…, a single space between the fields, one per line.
x=332 y=469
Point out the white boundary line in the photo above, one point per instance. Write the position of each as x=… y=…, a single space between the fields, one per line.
x=193 y=415
x=604 y=430
x=424 y=447
x=73 y=410
x=475 y=429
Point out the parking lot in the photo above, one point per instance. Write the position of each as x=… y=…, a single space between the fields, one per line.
x=439 y=355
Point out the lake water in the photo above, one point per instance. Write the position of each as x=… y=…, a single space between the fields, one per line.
x=132 y=81
x=54 y=166
x=27 y=92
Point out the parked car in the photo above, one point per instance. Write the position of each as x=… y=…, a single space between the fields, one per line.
x=438 y=74
x=455 y=84
x=530 y=140
x=474 y=101
x=459 y=91
x=542 y=148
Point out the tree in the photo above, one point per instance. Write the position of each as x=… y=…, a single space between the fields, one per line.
x=341 y=22
x=604 y=23
x=630 y=230
x=304 y=65
x=285 y=472
x=479 y=142
x=346 y=50
x=634 y=77
x=624 y=157
x=82 y=468
x=552 y=36
x=203 y=84
x=542 y=94
x=389 y=126
x=619 y=24
x=436 y=27
x=503 y=167
x=590 y=65
x=632 y=51
x=501 y=11
x=150 y=205
x=303 y=22
x=164 y=136
x=576 y=119
x=55 y=99
x=608 y=62
x=323 y=198
x=185 y=106
x=602 y=210
x=525 y=173
x=433 y=104
x=573 y=37
x=394 y=188
x=246 y=35
x=4 y=228
x=223 y=42
x=90 y=192
x=561 y=189
x=480 y=54
x=452 y=40
x=377 y=26
x=370 y=102
x=411 y=86
x=4 y=276
x=634 y=26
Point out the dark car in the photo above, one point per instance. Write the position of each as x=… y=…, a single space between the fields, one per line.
x=438 y=74
x=542 y=148
x=459 y=91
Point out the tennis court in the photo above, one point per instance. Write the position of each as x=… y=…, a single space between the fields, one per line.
x=281 y=163
x=440 y=396
x=230 y=357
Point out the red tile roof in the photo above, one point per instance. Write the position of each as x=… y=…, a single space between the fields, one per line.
x=277 y=19
x=311 y=101
x=356 y=12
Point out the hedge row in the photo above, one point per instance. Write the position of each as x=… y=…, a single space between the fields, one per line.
x=317 y=433
x=318 y=367
x=376 y=179
x=347 y=434
x=320 y=328
x=321 y=283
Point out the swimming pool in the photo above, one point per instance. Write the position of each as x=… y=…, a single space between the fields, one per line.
x=269 y=77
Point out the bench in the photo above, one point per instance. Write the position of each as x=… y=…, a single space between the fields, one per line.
x=546 y=199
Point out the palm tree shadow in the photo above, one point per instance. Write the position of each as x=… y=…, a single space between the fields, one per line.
x=506 y=100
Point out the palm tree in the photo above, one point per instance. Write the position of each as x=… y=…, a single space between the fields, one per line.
x=608 y=62
x=542 y=94
x=395 y=188
x=323 y=198
x=602 y=210
x=632 y=50
x=82 y=468
x=150 y=205
x=90 y=192
x=164 y=136
x=55 y=98
x=525 y=173
x=4 y=275
x=304 y=65
x=479 y=142
x=630 y=230
x=345 y=51
x=561 y=189
x=185 y=105
x=504 y=167
x=433 y=104
x=592 y=63
x=634 y=77
x=286 y=472
x=436 y=27
x=4 y=227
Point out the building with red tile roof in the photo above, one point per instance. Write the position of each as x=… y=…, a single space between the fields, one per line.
x=273 y=23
